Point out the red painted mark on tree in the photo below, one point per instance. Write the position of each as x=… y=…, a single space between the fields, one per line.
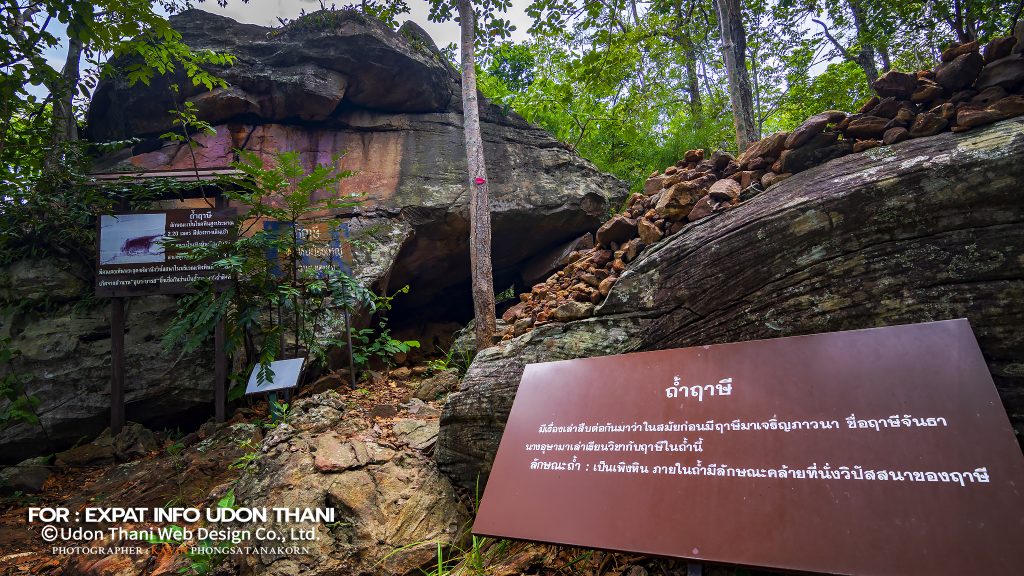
x=479 y=181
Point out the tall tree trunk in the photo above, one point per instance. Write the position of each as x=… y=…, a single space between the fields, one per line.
x=883 y=54
x=63 y=127
x=479 y=207
x=693 y=85
x=865 y=58
x=682 y=38
x=734 y=49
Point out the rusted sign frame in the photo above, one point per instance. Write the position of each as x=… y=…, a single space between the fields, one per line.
x=563 y=509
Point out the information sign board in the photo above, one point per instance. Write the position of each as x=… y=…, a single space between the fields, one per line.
x=285 y=375
x=879 y=451
x=135 y=257
x=321 y=244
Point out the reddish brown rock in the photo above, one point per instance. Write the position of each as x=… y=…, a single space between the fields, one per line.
x=868 y=105
x=606 y=285
x=951 y=53
x=989 y=95
x=806 y=156
x=999 y=48
x=724 y=190
x=676 y=202
x=632 y=249
x=959 y=73
x=945 y=111
x=648 y=231
x=731 y=168
x=927 y=124
x=862 y=145
x=704 y=208
x=812 y=127
x=653 y=184
x=1007 y=72
x=905 y=114
x=748 y=177
x=887 y=108
x=514 y=312
x=772 y=178
x=693 y=156
x=894 y=135
x=720 y=159
x=927 y=92
x=968 y=118
x=866 y=127
x=1008 y=107
x=767 y=148
x=618 y=230
x=896 y=84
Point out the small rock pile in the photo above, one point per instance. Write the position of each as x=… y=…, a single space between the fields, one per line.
x=971 y=87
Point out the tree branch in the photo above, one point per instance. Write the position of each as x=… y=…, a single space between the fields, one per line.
x=845 y=53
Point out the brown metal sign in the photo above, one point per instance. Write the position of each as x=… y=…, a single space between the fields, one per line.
x=135 y=259
x=880 y=451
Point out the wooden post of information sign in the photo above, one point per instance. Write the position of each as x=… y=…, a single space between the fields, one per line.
x=884 y=451
x=117 y=411
x=134 y=261
x=220 y=357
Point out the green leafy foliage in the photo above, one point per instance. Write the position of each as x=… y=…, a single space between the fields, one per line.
x=275 y=306
x=17 y=405
x=249 y=458
x=278 y=413
x=456 y=357
x=369 y=344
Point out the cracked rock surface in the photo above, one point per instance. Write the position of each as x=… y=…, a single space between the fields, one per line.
x=926 y=229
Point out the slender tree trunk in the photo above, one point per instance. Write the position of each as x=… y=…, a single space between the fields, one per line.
x=479 y=206
x=681 y=37
x=866 y=57
x=883 y=54
x=693 y=86
x=63 y=127
x=734 y=49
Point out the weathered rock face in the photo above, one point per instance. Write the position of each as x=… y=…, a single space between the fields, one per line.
x=391 y=502
x=926 y=229
x=331 y=83
x=337 y=82
x=65 y=355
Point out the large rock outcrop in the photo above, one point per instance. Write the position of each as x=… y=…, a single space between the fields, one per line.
x=338 y=82
x=334 y=82
x=63 y=356
x=927 y=229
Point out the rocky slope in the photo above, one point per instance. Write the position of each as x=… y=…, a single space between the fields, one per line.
x=925 y=229
x=970 y=87
x=363 y=454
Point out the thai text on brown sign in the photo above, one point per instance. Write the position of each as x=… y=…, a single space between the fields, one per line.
x=145 y=252
x=880 y=451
